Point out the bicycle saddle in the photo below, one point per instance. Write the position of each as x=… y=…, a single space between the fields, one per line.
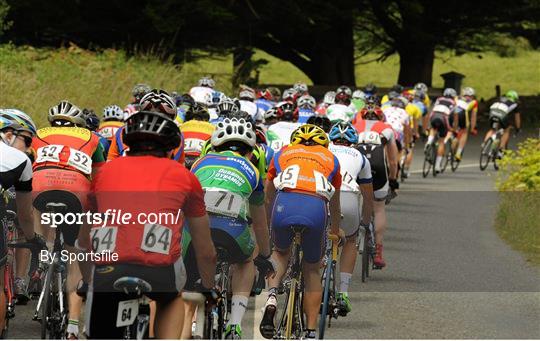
x=55 y=206
x=132 y=285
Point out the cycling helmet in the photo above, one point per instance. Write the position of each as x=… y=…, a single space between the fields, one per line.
x=113 y=113
x=197 y=112
x=266 y=94
x=343 y=95
x=289 y=95
x=240 y=114
x=65 y=111
x=140 y=90
x=329 y=97
x=450 y=93
x=218 y=97
x=393 y=95
x=227 y=106
x=150 y=130
x=468 y=91
x=233 y=130
x=286 y=111
x=397 y=88
x=358 y=94
x=7 y=122
x=309 y=134
x=159 y=101
x=321 y=121
x=421 y=87
x=372 y=112
x=306 y=101
x=185 y=100
x=270 y=114
x=343 y=131
x=399 y=102
x=92 y=120
x=276 y=93
x=512 y=95
x=300 y=88
x=207 y=82
x=370 y=88
x=25 y=121
x=260 y=134
x=247 y=95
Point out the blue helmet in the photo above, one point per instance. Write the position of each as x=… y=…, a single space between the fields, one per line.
x=343 y=131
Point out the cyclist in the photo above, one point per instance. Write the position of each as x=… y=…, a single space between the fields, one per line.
x=355 y=178
x=279 y=134
x=329 y=99
x=152 y=183
x=196 y=130
x=247 y=104
x=376 y=140
x=234 y=195
x=370 y=90
x=113 y=119
x=137 y=93
x=301 y=88
x=203 y=92
x=341 y=110
x=67 y=156
x=184 y=103
x=395 y=89
x=92 y=124
x=155 y=100
x=306 y=107
x=289 y=95
x=358 y=100
x=443 y=108
x=397 y=117
x=501 y=113
x=421 y=94
x=321 y=121
x=265 y=100
x=304 y=172
x=466 y=110
x=415 y=109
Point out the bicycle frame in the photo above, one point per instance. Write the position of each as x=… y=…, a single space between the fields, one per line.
x=329 y=305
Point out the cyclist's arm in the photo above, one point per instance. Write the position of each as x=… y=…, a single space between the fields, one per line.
x=23 y=200
x=205 y=253
x=517 y=118
x=335 y=212
x=260 y=228
x=392 y=155
x=365 y=182
x=474 y=113
x=270 y=194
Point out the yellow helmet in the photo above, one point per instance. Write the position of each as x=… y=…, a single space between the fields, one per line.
x=309 y=134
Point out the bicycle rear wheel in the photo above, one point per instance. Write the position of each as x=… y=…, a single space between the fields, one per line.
x=447 y=156
x=485 y=154
x=454 y=163
x=427 y=161
x=434 y=159
x=326 y=298
x=47 y=304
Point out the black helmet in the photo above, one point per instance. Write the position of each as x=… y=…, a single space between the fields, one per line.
x=92 y=120
x=321 y=121
x=148 y=130
x=370 y=89
x=197 y=112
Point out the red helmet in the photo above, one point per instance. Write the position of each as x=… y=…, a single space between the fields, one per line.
x=370 y=111
x=266 y=94
x=260 y=134
x=287 y=111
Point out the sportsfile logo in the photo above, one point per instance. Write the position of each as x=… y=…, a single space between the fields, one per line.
x=111 y=217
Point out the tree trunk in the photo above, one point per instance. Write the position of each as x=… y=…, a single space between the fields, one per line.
x=415 y=64
x=241 y=65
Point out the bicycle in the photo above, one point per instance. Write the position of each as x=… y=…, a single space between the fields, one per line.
x=430 y=157
x=133 y=314
x=52 y=308
x=366 y=247
x=402 y=171
x=291 y=323
x=329 y=306
x=490 y=148
x=216 y=315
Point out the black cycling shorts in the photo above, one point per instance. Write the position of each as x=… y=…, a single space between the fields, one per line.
x=440 y=122
x=497 y=120
x=69 y=232
x=103 y=299
x=462 y=120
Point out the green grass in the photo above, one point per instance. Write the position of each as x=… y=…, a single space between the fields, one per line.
x=35 y=79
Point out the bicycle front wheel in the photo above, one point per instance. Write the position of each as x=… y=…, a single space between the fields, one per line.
x=47 y=304
x=326 y=298
x=485 y=154
x=427 y=162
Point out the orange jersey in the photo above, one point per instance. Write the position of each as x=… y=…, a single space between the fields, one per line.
x=311 y=169
x=108 y=129
x=118 y=148
x=196 y=133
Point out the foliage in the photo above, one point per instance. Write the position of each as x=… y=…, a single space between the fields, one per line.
x=521 y=168
x=4 y=23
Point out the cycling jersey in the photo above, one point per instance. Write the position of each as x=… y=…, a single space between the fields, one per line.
x=231 y=183
x=501 y=111
x=306 y=169
x=264 y=105
x=278 y=134
x=357 y=104
x=398 y=119
x=420 y=106
x=196 y=133
x=442 y=109
x=118 y=148
x=201 y=94
x=108 y=129
x=148 y=186
x=444 y=106
x=252 y=109
x=304 y=114
x=105 y=144
x=355 y=168
x=465 y=107
x=383 y=129
x=15 y=170
x=414 y=113
x=339 y=112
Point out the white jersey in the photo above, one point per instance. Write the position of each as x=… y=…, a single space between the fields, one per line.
x=398 y=119
x=341 y=112
x=202 y=94
x=355 y=167
x=278 y=135
x=252 y=109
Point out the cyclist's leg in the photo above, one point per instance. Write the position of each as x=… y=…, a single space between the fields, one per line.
x=169 y=320
x=463 y=134
x=350 y=208
x=190 y=307
x=3 y=258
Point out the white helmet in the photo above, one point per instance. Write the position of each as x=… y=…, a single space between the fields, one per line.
x=113 y=113
x=329 y=97
x=159 y=101
x=421 y=87
x=232 y=129
x=247 y=94
x=358 y=94
x=270 y=113
x=468 y=91
x=207 y=81
x=289 y=94
x=300 y=87
x=306 y=101
x=67 y=112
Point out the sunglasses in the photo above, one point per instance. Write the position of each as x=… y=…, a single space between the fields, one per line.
x=27 y=139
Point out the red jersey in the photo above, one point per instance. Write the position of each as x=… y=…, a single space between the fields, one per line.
x=157 y=193
x=383 y=129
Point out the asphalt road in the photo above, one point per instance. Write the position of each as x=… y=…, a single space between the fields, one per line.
x=448 y=276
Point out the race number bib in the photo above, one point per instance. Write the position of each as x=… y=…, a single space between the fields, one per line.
x=127 y=312
x=108 y=132
x=156 y=238
x=277 y=145
x=103 y=239
x=193 y=145
x=443 y=109
x=287 y=178
x=369 y=137
x=349 y=181
x=323 y=186
x=49 y=153
x=80 y=161
x=223 y=202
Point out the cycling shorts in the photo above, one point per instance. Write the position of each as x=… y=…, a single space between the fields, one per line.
x=230 y=234
x=47 y=179
x=350 y=211
x=439 y=122
x=463 y=120
x=497 y=120
x=102 y=301
x=311 y=214
x=379 y=170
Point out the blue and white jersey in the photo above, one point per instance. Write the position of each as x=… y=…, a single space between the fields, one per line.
x=355 y=167
x=304 y=114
